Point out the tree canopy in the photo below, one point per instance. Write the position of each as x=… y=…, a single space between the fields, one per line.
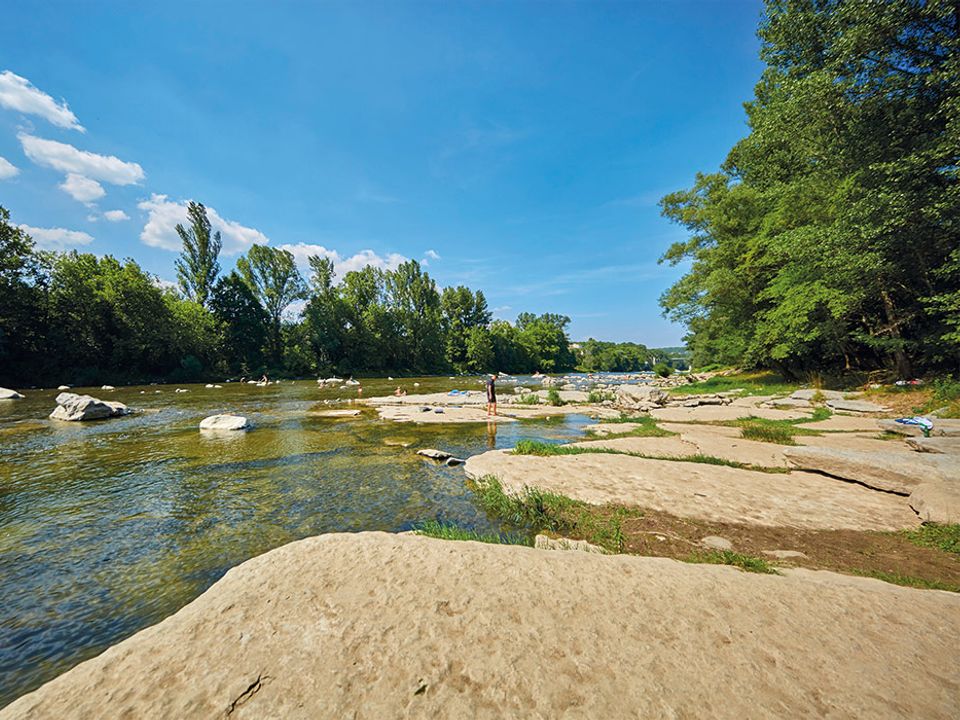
x=830 y=237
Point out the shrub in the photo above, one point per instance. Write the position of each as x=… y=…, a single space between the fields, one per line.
x=662 y=369
x=553 y=397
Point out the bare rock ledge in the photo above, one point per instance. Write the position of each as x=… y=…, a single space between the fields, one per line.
x=372 y=625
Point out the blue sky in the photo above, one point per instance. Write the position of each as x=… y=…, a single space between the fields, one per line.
x=519 y=148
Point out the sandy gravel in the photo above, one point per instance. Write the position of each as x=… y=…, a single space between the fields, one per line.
x=384 y=626
x=711 y=492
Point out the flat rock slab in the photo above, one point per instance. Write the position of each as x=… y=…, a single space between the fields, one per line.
x=371 y=625
x=450 y=415
x=856 y=406
x=942 y=427
x=811 y=393
x=937 y=502
x=938 y=445
x=442 y=399
x=604 y=429
x=661 y=446
x=845 y=423
x=334 y=413
x=711 y=413
x=7 y=394
x=697 y=490
x=898 y=472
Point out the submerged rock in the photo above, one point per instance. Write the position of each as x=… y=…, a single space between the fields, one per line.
x=224 y=422
x=72 y=407
x=6 y=394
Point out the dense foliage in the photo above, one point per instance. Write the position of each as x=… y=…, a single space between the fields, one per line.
x=79 y=319
x=830 y=238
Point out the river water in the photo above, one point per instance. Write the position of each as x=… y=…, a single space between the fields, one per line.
x=108 y=527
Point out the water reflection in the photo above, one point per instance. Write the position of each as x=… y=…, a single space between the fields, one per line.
x=108 y=527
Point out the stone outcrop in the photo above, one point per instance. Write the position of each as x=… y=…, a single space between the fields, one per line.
x=6 y=394
x=938 y=445
x=73 y=408
x=700 y=491
x=372 y=625
x=896 y=472
x=856 y=406
x=945 y=427
x=937 y=502
x=224 y=423
x=639 y=397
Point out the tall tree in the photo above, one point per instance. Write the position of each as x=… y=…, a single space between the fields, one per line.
x=197 y=266
x=272 y=276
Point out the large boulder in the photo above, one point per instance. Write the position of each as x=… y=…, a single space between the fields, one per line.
x=898 y=472
x=227 y=423
x=371 y=625
x=6 y=394
x=639 y=397
x=72 y=408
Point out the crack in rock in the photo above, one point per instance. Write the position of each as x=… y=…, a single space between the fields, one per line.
x=248 y=693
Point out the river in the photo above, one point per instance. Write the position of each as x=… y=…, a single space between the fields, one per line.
x=108 y=527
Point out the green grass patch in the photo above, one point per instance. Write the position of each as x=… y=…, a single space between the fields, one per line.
x=819 y=414
x=529 y=399
x=768 y=433
x=596 y=397
x=553 y=398
x=449 y=531
x=542 y=449
x=752 y=383
x=942 y=537
x=646 y=427
x=907 y=580
x=537 y=510
x=728 y=557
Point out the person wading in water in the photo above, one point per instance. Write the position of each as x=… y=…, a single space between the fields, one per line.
x=492 y=395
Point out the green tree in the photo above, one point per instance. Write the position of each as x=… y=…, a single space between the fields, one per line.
x=273 y=278
x=462 y=311
x=197 y=266
x=243 y=325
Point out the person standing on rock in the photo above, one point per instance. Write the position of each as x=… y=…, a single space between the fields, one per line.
x=492 y=395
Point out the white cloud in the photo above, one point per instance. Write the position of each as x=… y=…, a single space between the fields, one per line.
x=82 y=188
x=17 y=93
x=165 y=284
x=56 y=238
x=7 y=169
x=68 y=159
x=164 y=214
x=432 y=254
x=116 y=215
x=342 y=265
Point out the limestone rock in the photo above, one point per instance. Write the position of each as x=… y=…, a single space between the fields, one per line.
x=434 y=454
x=893 y=472
x=72 y=407
x=334 y=413
x=227 y=423
x=715 y=542
x=6 y=394
x=939 y=445
x=700 y=491
x=811 y=393
x=107 y=387
x=856 y=406
x=784 y=554
x=946 y=427
x=631 y=397
x=63 y=387
x=937 y=502
x=371 y=625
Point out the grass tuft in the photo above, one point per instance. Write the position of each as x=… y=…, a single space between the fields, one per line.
x=539 y=511
x=449 y=531
x=728 y=557
x=553 y=398
x=907 y=580
x=942 y=537
x=768 y=433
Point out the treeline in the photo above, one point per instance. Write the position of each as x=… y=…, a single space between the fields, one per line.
x=599 y=356
x=830 y=238
x=76 y=318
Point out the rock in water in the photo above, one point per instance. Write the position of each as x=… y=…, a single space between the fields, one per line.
x=224 y=422
x=434 y=454
x=6 y=394
x=72 y=407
